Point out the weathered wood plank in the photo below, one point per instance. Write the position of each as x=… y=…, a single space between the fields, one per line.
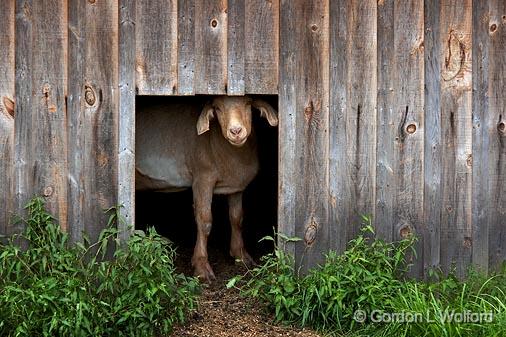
x=387 y=117
x=6 y=119
x=494 y=125
x=126 y=133
x=287 y=188
x=186 y=47
x=456 y=126
x=353 y=116
x=338 y=188
x=432 y=153
x=93 y=114
x=157 y=38
x=399 y=184
x=261 y=32
x=480 y=158
x=40 y=124
x=211 y=47
x=310 y=115
x=76 y=153
x=236 y=47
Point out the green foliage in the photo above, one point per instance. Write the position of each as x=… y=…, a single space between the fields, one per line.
x=371 y=276
x=53 y=288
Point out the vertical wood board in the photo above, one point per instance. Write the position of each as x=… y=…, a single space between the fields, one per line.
x=353 y=116
x=157 y=46
x=40 y=124
x=456 y=125
x=286 y=129
x=494 y=125
x=480 y=154
x=93 y=114
x=6 y=119
x=211 y=47
x=126 y=132
x=310 y=117
x=261 y=39
x=186 y=47
x=399 y=184
x=236 y=45
x=432 y=137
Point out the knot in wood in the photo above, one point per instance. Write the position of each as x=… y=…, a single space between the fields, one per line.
x=405 y=231
x=468 y=242
x=46 y=89
x=501 y=127
x=48 y=191
x=411 y=128
x=309 y=111
x=214 y=23
x=469 y=160
x=9 y=106
x=89 y=95
x=314 y=27
x=455 y=56
x=493 y=28
x=310 y=233
x=91 y=1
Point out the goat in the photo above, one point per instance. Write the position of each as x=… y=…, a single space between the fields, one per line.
x=216 y=158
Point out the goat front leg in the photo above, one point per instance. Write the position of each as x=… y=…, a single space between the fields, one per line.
x=202 y=199
x=237 y=249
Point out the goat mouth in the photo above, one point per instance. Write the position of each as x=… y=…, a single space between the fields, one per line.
x=238 y=143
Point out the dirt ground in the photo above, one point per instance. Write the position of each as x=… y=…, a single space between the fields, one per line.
x=222 y=312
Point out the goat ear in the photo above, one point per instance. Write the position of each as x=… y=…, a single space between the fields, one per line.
x=266 y=111
x=9 y=105
x=205 y=117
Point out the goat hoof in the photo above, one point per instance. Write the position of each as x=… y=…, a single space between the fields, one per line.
x=245 y=259
x=204 y=271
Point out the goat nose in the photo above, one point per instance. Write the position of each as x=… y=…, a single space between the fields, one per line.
x=235 y=130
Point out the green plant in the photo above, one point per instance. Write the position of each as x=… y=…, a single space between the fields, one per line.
x=53 y=288
x=364 y=276
x=370 y=276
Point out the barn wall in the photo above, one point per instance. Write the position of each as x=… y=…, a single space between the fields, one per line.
x=208 y=47
x=411 y=131
x=393 y=109
x=65 y=126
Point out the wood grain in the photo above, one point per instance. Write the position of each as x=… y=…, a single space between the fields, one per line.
x=432 y=152
x=309 y=181
x=93 y=114
x=261 y=38
x=40 y=124
x=287 y=187
x=211 y=47
x=157 y=39
x=353 y=116
x=400 y=134
x=481 y=141
x=456 y=140
x=126 y=132
x=186 y=47
x=6 y=120
x=236 y=45
x=339 y=187
x=494 y=125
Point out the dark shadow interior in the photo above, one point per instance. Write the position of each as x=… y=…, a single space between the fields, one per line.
x=172 y=213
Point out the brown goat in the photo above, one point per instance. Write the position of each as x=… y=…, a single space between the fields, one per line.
x=216 y=158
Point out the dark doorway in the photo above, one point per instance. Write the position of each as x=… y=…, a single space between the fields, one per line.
x=172 y=213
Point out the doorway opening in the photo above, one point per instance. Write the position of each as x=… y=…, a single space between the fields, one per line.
x=172 y=213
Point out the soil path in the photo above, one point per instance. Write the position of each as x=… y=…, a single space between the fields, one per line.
x=223 y=313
